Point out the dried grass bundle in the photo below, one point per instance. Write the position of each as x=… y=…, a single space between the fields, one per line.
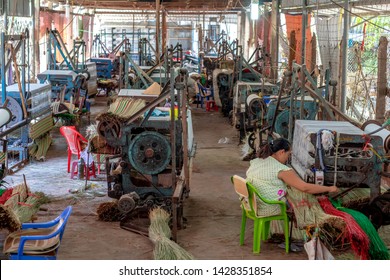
x=8 y=219
x=109 y=117
x=310 y=215
x=29 y=207
x=91 y=131
x=160 y=234
x=159 y=227
x=19 y=194
x=308 y=212
x=109 y=212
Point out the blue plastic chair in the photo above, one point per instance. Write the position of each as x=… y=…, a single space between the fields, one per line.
x=37 y=241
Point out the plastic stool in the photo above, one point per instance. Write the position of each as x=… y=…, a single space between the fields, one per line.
x=210 y=104
x=87 y=171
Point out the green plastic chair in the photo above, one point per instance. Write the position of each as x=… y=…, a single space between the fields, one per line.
x=248 y=193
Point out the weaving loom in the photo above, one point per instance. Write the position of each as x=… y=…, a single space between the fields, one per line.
x=351 y=161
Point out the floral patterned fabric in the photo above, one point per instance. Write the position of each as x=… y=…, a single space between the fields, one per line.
x=263 y=174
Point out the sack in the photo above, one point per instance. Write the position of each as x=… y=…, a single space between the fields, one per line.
x=316 y=250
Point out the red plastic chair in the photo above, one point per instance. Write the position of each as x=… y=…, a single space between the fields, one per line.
x=74 y=140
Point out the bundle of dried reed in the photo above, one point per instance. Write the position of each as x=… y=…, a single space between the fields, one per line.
x=109 y=212
x=160 y=234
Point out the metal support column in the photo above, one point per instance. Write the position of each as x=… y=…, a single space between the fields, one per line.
x=343 y=85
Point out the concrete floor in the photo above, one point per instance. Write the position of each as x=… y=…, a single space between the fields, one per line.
x=212 y=209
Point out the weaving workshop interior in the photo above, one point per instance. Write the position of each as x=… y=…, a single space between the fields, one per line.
x=195 y=130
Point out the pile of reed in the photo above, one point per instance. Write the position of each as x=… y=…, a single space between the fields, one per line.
x=8 y=219
x=354 y=234
x=378 y=249
x=160 y=234
x=109 y=212
x=309 y=214
x=19 y=207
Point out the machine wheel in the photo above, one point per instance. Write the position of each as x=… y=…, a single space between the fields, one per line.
x=149 y=152
x=109 y=128
x=126 y=203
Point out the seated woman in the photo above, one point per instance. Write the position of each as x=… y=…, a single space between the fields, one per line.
x=270 y=176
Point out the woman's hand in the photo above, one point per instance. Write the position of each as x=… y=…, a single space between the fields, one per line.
x=333 y=189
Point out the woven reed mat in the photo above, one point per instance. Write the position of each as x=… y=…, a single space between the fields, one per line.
x=126 y=107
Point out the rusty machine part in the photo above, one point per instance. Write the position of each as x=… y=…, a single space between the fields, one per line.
x=109 y=128
x=150 y=171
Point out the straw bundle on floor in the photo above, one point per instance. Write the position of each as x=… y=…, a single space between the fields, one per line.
x=8 y=219
x=19 y=194
x=109 y=212
x=357 y=237
x=160 y=234
x=27 y=209
x=378 y=249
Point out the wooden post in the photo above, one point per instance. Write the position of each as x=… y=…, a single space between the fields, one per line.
x=185 y=136
x=339 y=83
x=266 y=44
x=35 y=40
x=292 y=54
x=313 y=46
x=382 y=80
x=164 y=31
x=17 y=74
x=157 y=31
x=275 y=40
x=304 y=27
x=344 y=62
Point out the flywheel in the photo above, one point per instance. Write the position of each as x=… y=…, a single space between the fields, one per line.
x=149 y=152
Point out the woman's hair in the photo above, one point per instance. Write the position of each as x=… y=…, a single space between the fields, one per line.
x=274 y=146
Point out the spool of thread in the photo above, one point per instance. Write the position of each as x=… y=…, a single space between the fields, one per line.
x=255 y=103
x=5 y=116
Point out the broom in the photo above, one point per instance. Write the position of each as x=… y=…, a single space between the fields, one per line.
x=357 y=237
x=160 y=234
x=378 y=249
